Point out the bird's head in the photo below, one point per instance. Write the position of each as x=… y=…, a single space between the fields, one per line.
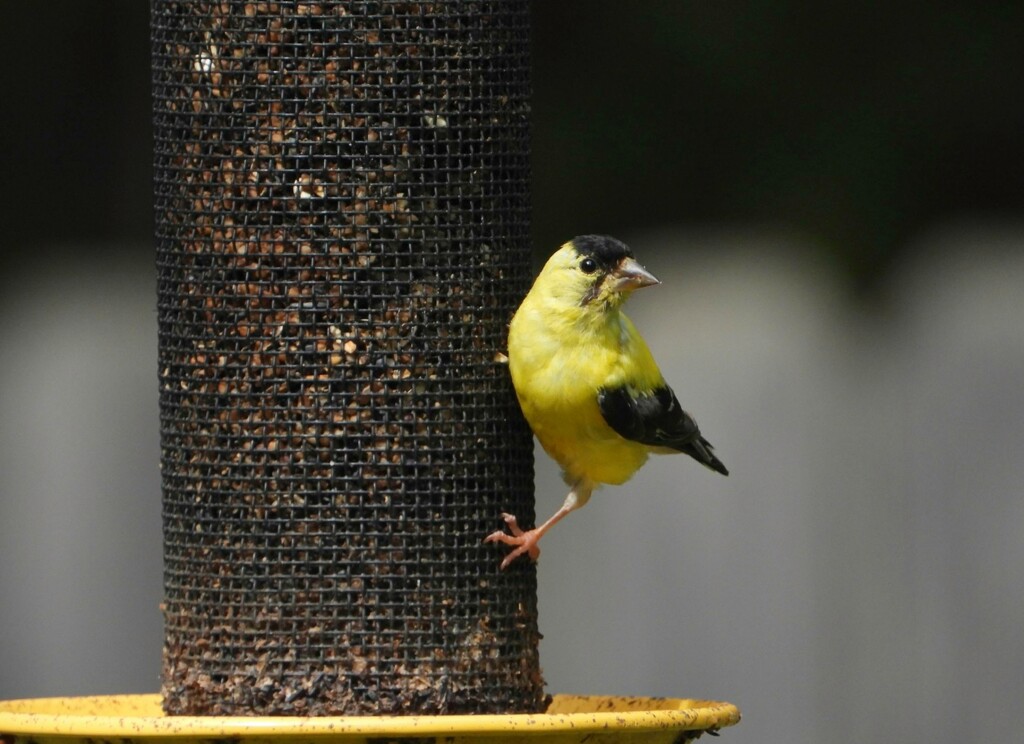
x=595 y=272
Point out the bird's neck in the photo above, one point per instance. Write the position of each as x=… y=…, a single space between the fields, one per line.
x=604 y=325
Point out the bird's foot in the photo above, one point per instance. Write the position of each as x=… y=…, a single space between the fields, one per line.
x=524 y=541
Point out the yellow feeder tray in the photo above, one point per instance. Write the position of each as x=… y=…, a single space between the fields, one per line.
x=570 y=718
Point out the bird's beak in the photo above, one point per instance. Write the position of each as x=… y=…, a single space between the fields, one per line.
x=629 y=275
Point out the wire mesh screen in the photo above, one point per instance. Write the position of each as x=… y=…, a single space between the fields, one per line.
x=342 y=220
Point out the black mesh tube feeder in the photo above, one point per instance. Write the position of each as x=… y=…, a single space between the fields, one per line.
x=342 y=232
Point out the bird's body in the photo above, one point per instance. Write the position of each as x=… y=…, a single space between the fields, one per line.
x=563 y=360
x=586 y=380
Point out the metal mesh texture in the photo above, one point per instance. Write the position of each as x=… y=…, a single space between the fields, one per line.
x=342 y=218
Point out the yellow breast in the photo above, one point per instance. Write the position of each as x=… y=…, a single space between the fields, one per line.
x=559 y=362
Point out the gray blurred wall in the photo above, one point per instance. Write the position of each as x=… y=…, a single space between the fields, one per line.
x=858 y=577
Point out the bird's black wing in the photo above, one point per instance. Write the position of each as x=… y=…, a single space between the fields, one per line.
x=657 y=420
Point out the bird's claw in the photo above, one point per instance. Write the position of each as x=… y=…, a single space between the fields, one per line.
x=524 y=541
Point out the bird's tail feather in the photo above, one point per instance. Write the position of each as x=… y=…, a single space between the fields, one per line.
x=702 y=451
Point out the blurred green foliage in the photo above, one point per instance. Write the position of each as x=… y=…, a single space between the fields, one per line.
x=851 y=125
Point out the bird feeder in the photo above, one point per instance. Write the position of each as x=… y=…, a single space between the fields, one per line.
x=342 y=229
x=342 y=235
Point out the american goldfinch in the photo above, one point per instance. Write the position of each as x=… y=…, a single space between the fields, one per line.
x=586 y=381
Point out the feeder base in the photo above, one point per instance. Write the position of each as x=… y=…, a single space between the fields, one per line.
x=131 y=719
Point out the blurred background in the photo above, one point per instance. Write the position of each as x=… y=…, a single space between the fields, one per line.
x=833 y=196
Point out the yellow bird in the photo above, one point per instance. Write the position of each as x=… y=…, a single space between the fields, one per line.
x=586 y=381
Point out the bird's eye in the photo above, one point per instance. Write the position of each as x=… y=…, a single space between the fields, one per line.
x=588 y=265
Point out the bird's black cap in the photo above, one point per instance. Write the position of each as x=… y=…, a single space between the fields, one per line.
x=604 y=249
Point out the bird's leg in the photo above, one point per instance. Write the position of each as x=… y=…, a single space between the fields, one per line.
x=525 y=541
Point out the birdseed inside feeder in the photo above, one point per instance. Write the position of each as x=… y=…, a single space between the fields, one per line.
x=342 y=219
